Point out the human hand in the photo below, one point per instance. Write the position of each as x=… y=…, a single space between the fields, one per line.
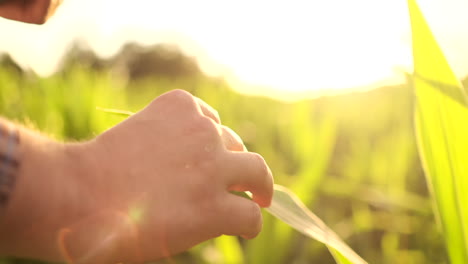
x=163 y=185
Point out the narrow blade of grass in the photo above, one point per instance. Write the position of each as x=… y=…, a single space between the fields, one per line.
x=114 y=111
x=441 y=118
x=339 y=258
x=287 y=207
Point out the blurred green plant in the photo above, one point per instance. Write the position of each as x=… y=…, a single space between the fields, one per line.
x=287 y=207
x=298 y=141
x=352 y=158
x=441 y=117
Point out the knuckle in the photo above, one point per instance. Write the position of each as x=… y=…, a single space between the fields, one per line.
x=178 y=98
x=206 y=148
x=215 y=114
x=204 y=128
x=237 y=146
x=261 y=164
x=206 y=124
x=179 y=94
x=233 y=140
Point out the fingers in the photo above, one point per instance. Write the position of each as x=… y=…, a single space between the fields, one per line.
x=189 y=106
x=231 y=140
x=248 y=171
x=208 y=111
x=187 y=103
x=241 y=217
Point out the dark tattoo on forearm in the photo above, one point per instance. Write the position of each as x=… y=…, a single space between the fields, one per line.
x=9 y=163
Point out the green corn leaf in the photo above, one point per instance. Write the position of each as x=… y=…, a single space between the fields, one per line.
x=339 y=258
x=441 y=119
x=287 y=207
x=114 y=111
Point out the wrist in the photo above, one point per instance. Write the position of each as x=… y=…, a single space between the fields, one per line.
x=47 y=196
x=100 y=231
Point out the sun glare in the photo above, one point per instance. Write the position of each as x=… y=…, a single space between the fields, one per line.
x=291 y=46
x=262 y=47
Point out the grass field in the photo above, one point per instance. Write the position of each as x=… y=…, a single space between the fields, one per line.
x=354 y=159
x=351 y=158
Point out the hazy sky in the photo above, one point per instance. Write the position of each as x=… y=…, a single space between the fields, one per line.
x=292 y=45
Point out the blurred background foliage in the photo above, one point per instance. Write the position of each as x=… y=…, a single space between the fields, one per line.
x=351 y=158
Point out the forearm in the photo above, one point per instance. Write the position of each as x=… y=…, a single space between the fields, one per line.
x=39 y=201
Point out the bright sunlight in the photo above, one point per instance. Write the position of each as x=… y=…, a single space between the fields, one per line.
x=274 y=48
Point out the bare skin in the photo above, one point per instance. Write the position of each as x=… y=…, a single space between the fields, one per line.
x=154 y=185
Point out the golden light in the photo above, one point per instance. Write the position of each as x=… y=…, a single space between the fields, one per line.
x=262 y=47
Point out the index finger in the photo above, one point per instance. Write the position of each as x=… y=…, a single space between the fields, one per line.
x=248 y=171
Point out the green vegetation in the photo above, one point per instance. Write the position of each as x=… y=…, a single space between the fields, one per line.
x=352 y=159
x=441 y=126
